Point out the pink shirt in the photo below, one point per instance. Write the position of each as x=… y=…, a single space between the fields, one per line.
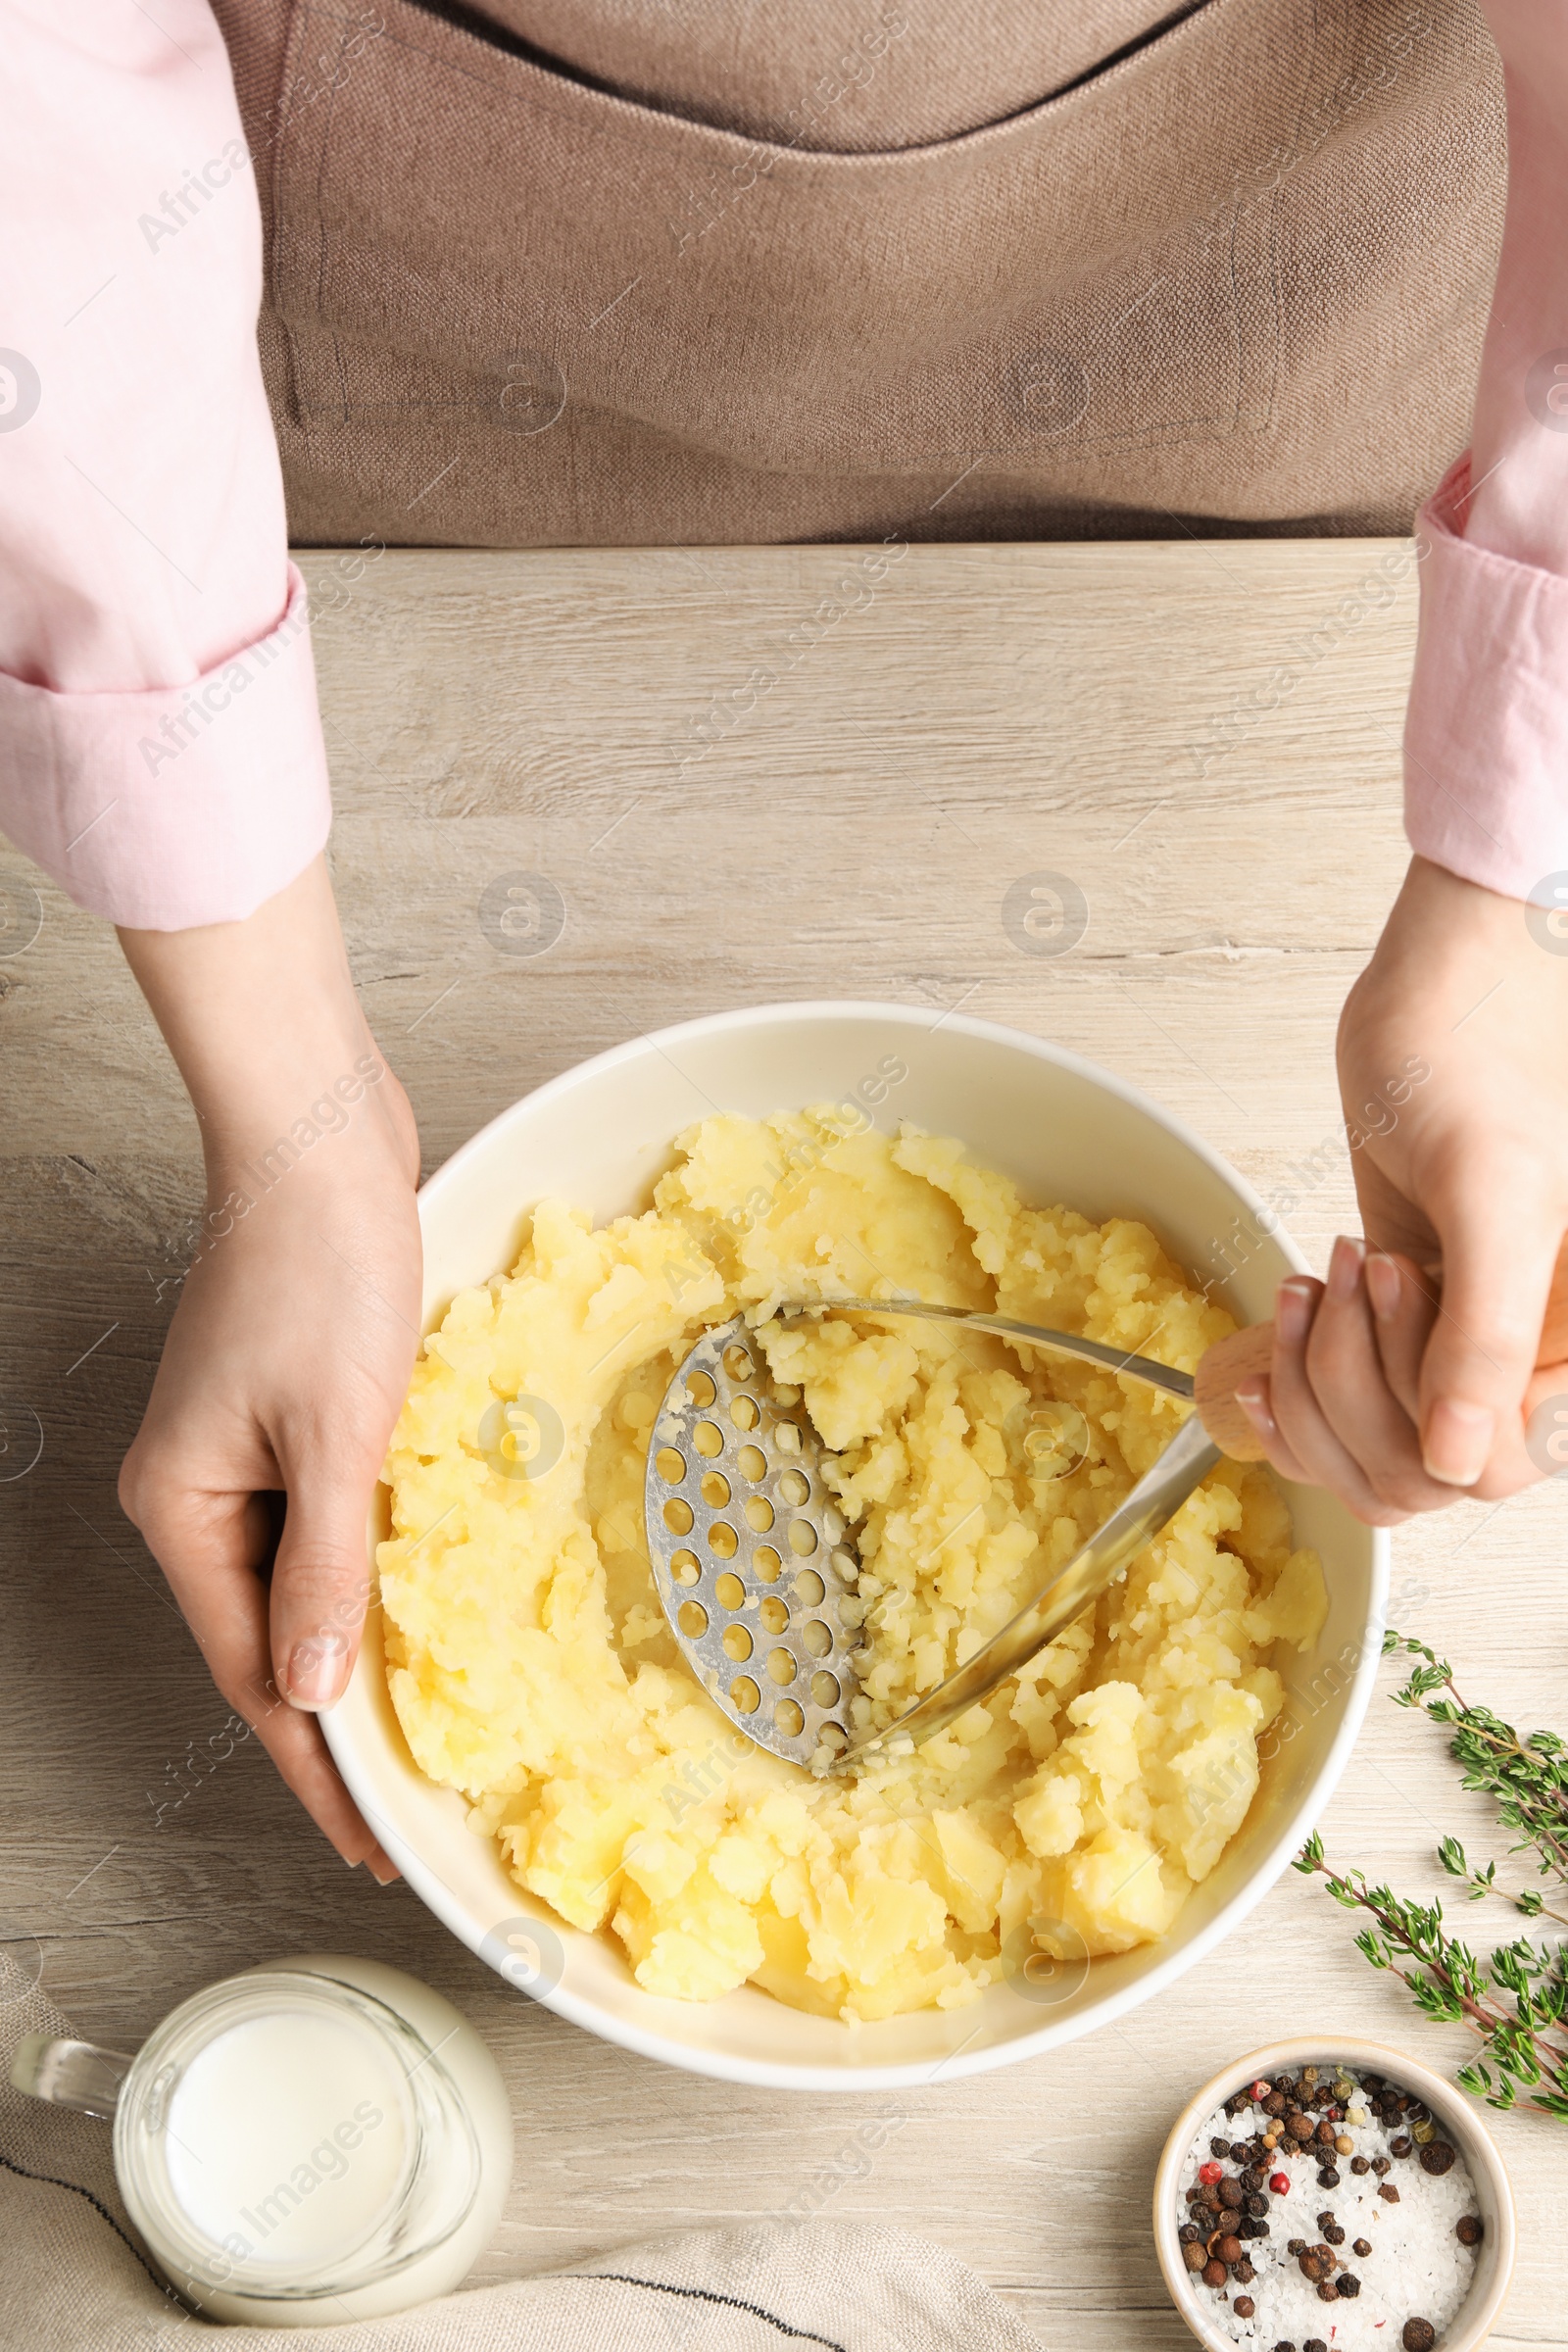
x=161 y=751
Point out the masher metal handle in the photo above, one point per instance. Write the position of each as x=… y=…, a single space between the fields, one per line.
x=1156 y=1499
x=1219 y=1427
x=1220 y=1372
x=1008 y=1327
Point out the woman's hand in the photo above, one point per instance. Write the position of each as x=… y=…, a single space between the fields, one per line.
x=1389 y=1385
x=289 y=1354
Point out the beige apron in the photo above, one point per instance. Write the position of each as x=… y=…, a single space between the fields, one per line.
x=617 y=271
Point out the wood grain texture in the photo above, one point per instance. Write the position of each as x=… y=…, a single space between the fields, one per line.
x=1205 y=739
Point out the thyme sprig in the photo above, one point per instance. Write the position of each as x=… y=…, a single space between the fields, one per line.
x=1526 y=1778
x=1517 y=2001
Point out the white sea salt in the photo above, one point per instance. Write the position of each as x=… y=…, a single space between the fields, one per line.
x=1417 y=2269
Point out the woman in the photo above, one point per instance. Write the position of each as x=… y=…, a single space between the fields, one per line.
x=597 y=275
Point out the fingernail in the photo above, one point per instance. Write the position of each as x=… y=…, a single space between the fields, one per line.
x=1257 y=1411
x=381 y=1870
x=317 y=1669
x=1383 y=1286
x=1457 y=1441
x=1293 y=1312
x=1345 y=1269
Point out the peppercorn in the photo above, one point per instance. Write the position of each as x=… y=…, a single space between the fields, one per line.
x=1402 y=2145
x=1300 y=2127
x=1215 y=2273
x=1327 y=2292
x=1419 y=2111
x=1327 y=2177
x=1345 y=2143
x=1227 y=2249
x=1239 y=2151
x=1333 y=2233
x=1360 y=2165
x=1195 y=2257
x=1210 y=2173
x=1380 y=2165
x=1256 y=2204
x=1251 y=2227
x=1310 y=2263
x=1189 y=2233
x=1324 y=2135
x=1435 y=2156
x=1230 y=2194
x=1279 y=2182
x=1274 y=2104
x=1349 y=2284
x=1219 y=2147
x=1295 y=2245
x=1419 y=2336
x=1469 y=2228
x=1362 y=2246
x=1309 y=2076
x=1315 y=2343
x=1244 y=2307
x=1388 y=2193
x=1253 y=2178
x=1235 y=2104
x=1244 y=2271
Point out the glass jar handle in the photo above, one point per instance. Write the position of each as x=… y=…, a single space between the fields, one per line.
x=70 y=2074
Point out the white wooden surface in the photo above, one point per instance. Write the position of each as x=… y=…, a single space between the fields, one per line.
x=985 y=714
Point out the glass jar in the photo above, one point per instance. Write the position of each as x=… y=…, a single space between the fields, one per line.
x=315 y=2140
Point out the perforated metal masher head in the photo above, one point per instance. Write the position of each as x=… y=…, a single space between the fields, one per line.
x=758 y=1573
x=749 y=1551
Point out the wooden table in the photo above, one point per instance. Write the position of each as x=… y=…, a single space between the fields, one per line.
x=1205 y=738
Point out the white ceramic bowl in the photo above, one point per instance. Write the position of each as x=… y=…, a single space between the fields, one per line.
x=1461 y=2124
x=1065 y=1130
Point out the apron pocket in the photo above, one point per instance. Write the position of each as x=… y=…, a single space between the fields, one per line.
x=463 y=233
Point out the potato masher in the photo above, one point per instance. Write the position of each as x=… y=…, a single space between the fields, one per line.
x=752 y=1560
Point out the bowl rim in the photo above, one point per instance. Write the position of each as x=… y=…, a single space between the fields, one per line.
x=1481 y=2308
x=858 y=2076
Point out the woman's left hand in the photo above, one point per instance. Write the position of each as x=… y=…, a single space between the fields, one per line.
x=1391 y=1386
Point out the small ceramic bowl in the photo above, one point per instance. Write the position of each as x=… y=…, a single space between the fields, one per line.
x=1456 y=2114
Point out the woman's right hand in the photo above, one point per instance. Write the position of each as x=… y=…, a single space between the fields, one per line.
x=288 y=1356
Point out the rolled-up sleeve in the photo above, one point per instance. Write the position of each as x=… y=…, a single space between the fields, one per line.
x=1486 y=775
x=161 y=751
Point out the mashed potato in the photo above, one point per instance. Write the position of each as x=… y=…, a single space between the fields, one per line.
x=532 y=1669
